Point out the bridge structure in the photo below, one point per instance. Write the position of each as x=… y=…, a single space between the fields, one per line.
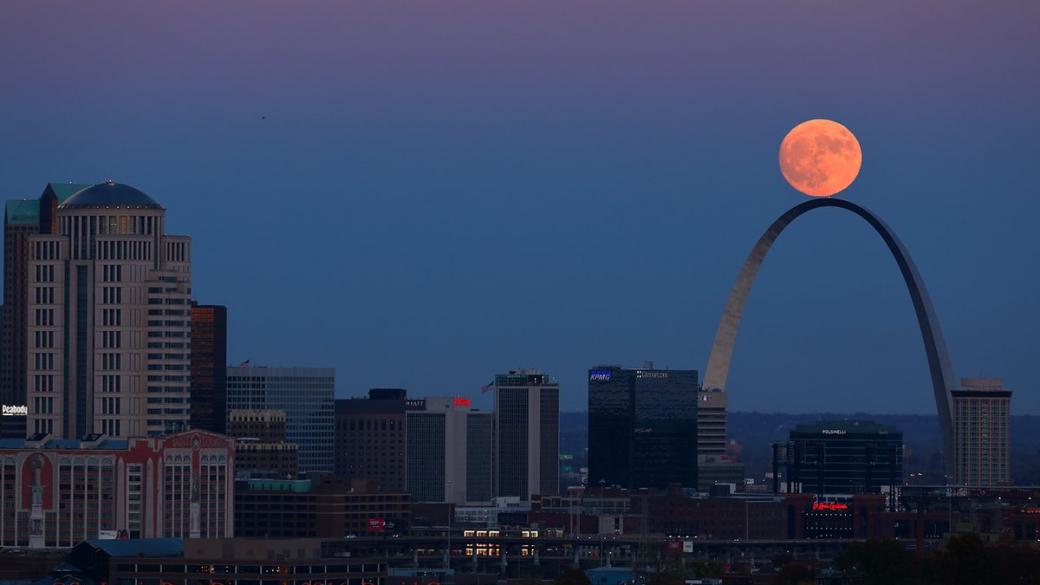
x=939 y=368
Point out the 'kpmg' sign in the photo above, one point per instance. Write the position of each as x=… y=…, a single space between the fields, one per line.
x=600 y=375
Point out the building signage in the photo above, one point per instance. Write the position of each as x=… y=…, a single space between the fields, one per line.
x=645 y=374
x=829 y=506
x=15 y=410
x=600 y=375
x=461 y=402
x=834 y=431
x=687 y=546
x=376 y=524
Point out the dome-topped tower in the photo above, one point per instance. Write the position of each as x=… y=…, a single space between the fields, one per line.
x=110 y=195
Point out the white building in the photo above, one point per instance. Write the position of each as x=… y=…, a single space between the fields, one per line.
x=109 y=319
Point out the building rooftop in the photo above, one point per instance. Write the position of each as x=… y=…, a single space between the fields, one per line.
x=845 y=427
x=110 y=195
x=22 y=212
x=139 y=547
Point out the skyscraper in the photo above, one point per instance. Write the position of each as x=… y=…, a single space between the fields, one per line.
x=370 y=438
x=981 y=421
x=527 y=434
x=449 y=454
x=209 y=367
x=108 y=317
x=642 y=427
x=22 y=218
x=306 y=395
x=841 y=457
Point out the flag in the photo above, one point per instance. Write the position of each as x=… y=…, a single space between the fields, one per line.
x=244 y=364
x=487 y=388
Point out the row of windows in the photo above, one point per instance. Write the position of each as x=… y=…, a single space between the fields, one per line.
x=43 y=339
x=43 y=361
x=44 y=295
x=44 y=273
x=111 y=361
x=43 y=317
x=112 y=273
x=111 y=295
x=43 y=405
x=43 y=382
x=111 y=339
x=111 y=317
x=46 y=250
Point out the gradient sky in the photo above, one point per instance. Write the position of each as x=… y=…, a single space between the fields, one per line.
x=443 y=190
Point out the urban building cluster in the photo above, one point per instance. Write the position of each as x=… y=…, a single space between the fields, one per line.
x=128 y=439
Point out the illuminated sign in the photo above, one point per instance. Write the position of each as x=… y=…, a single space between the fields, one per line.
x=13 y=410
x=834 y=431
x=376 y=524
x=600 y=375
x=829 y=506
x=461 y=402
x=644 y=374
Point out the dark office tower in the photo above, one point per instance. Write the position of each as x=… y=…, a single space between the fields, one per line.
x=370 y=438
x=642 y=427
x=262 y=449
x=527 y=434
x=841 y=457
x=209 y=368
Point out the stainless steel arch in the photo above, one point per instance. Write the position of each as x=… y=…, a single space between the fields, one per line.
x=934 y=345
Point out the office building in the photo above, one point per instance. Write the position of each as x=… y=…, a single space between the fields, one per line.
x=262 y=449
x=370 y=438
x=306 y=395
x=58 y=492
x=109 y=319
x=22 y=219
x=642 y=427
x=325 y=506
x=449 y=452
x=711 y=423
x=981 y=423
x=841 y=458
x=527 y=434
x=209 y=368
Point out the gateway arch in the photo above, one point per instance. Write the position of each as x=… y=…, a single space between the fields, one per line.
x=935 y=347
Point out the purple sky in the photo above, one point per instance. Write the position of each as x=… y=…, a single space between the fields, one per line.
x=424 y=193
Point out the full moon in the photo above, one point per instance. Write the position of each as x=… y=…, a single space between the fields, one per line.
x=820 y=157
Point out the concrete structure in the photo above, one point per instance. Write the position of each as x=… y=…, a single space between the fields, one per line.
x=22 y=218
x=449 y=452
x=527 y=434
x=934 y=345
x=209 y=368
x=262 y=449
x=981 y=418
x=642 y=427
x=323 y=507
x=840 y=457
x=370 y=438
x=58 y=492
x=109 y=319
x=306 y=395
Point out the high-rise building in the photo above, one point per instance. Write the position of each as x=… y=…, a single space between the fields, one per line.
x=642 y=427
x=841 y=458
x=306 y=395
x=711 y=423
x=370 y=438
x=209 y=367
x=449 y=453
x=22 y=218
x=59 y=492
x=527 y=434
x=262 y=449
x=109 y=318
x=981 y=421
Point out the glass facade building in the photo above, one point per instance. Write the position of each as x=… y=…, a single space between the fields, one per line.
x=642 y=427
x=209 y=368
x=842 y=457
x=306 y=395
x=527 y=434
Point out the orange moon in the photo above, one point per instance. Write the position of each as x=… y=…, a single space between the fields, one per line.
x=820 y=157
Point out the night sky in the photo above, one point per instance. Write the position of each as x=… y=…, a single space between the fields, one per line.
x=421 y=194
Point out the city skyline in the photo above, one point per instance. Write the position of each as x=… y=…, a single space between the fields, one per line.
x=417 y=213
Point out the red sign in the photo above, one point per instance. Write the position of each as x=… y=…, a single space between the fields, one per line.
x=461 y=402
x=829 y=506
x=376 y=524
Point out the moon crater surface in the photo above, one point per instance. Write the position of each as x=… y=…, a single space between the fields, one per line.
x=820 y=157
